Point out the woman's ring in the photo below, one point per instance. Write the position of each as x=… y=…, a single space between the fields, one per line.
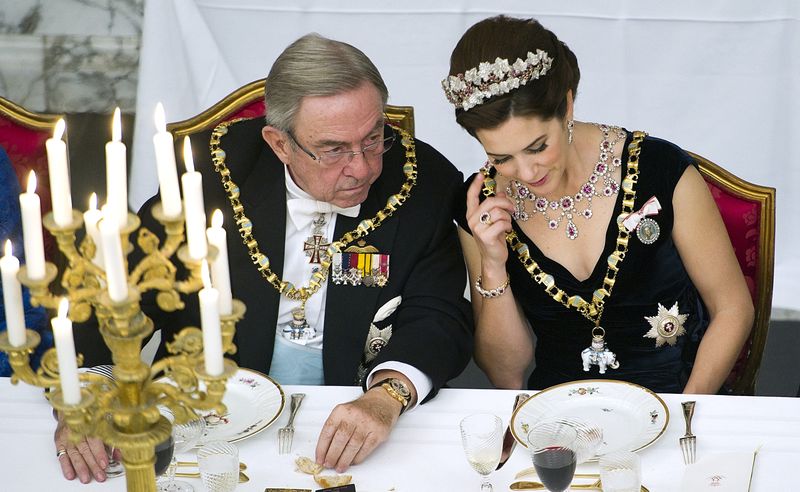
x=60 y=453
x=485 y=218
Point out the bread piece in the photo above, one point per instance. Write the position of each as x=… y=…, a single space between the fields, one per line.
x=307 y=465
x=327 y=481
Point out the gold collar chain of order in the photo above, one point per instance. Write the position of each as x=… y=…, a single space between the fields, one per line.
x=593 y=311
x=364 y=227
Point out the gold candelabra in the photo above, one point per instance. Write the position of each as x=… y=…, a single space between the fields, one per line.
x=124 y=412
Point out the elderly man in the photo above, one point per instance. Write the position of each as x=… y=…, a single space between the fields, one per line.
x=383 y=307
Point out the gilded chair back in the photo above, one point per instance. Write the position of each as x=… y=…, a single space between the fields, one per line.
x=23 y=134
x=748 y=211
x=248 y=102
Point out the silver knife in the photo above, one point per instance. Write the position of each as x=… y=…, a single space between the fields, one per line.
x=509 y=443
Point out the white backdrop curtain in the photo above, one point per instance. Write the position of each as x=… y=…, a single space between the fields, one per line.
x=718 y=77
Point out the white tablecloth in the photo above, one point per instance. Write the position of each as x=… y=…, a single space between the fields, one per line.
x=424 y=451
x=718 y=77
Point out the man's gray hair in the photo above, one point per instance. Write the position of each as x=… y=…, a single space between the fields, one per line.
x=315 y=66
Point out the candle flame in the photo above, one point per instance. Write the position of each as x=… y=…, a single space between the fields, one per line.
x=216 y=218
x=160 y=118
x=32 y=182
x=63 y=307
x=187 y=155
x=58 y=131
x=8 y=248
x=116 y=126
x=205 y=274
x=93 y=201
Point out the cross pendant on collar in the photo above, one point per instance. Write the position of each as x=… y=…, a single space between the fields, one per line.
x=316 y=245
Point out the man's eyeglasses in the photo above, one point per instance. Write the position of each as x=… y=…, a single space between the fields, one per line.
x=333 y=158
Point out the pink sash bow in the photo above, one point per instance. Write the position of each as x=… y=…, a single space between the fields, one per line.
x=651 y=207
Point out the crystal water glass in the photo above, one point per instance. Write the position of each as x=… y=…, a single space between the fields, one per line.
x=219 y=466
x=482 y=438
x=621 y=472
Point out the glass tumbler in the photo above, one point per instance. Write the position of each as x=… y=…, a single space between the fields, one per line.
x=219 y=466
x=621 y=472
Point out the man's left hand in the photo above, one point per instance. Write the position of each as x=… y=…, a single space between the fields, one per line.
x=353 y=430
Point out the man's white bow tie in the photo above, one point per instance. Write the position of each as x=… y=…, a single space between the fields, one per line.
x=303 y=211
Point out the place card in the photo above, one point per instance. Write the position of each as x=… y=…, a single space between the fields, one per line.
x=721 y=472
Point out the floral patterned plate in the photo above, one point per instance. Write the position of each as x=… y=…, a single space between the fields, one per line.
x=632 y=417
x=254 y=401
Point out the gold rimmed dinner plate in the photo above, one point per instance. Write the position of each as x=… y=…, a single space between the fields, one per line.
x=253 y=401
x=631 y=416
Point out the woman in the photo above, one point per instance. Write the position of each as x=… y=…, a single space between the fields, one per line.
x=594 y=251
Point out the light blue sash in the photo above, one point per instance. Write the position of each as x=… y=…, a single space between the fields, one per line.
x=295 y=364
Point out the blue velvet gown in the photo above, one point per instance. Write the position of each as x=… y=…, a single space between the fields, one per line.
x=11 y=228
x=651 y=274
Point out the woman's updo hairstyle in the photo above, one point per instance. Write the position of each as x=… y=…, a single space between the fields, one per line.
x=510 y=38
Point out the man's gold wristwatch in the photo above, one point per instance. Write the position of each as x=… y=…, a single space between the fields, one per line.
x=397 y=389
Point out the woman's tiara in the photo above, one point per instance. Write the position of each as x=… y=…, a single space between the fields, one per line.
x=469 y=89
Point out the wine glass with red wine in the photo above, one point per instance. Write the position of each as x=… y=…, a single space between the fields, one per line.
x=184 y=438
x=164 y=452
x=554 y=449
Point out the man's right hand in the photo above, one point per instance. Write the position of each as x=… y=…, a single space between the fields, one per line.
x=86 y=459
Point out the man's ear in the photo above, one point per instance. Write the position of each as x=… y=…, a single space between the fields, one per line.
x=278 y=142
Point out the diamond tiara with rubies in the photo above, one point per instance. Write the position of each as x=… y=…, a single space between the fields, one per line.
x=471 y=88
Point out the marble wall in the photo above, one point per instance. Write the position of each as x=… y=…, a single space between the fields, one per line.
x=70 y=56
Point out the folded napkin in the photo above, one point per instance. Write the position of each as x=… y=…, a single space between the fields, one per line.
x=721 y=472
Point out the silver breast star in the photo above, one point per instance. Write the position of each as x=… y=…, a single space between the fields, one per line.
x=667 y=325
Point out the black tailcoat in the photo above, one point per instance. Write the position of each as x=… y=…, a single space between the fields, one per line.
x=432 y=327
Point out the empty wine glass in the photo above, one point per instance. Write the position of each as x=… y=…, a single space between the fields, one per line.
x=185 y=437
x=554 y=449
x=115 y=467
x=482 y=438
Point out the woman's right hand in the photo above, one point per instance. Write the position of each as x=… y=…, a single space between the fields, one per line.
x=490 y=235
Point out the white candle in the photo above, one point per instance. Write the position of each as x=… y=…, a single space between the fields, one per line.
x=12 y=298
x=65 y=349
x=116 y=173
x=194 y=209
x=59 y=176
x=90 y=218
x=209 y=318
x=220 y=272
x=112 y=257
x=166 y=167
x=32 y=229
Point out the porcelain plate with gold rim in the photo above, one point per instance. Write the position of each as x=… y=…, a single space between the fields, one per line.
x=253 y=400
x=632 y=417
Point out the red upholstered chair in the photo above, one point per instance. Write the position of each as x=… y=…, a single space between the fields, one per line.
x=248 y=102
x=748 y=211
x=22 y=135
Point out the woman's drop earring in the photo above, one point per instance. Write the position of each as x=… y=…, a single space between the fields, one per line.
x=570 y=129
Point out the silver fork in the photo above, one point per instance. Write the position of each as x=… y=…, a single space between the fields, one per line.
x=286 y=434
x=689 y=440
